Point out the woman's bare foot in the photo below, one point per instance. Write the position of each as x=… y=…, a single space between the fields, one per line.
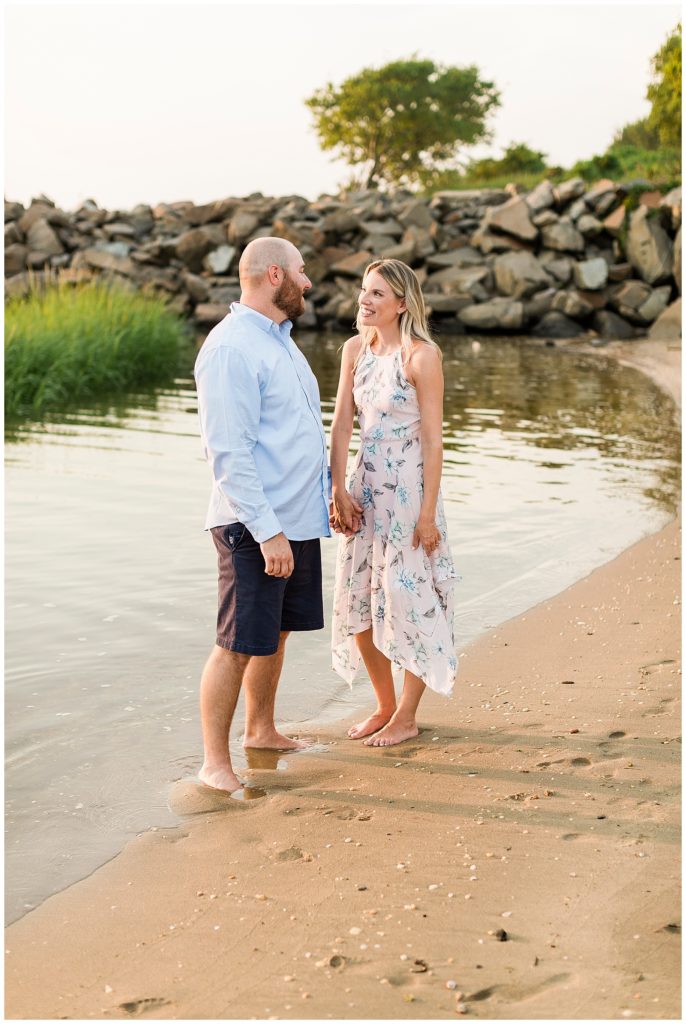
x=370 y=725
x=220 y=778
x=273 y=740
x=394 y=732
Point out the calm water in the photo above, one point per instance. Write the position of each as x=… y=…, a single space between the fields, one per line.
x=553 y=464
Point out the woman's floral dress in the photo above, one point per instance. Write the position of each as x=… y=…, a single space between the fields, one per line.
x=405 y=595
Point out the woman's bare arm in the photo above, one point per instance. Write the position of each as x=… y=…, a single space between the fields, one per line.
x=345 y=508
x=426 y=374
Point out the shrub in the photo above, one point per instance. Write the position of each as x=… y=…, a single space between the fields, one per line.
x=65 y=345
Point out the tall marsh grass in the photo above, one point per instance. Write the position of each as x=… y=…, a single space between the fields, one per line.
x=67 y=344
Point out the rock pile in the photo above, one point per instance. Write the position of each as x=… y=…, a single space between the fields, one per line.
x=557 y=261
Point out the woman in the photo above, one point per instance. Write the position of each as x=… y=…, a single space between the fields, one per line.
x=394 y=575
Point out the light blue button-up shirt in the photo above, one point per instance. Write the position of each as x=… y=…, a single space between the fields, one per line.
x=261 y=428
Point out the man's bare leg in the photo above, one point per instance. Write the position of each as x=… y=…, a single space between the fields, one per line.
x=260 y=681
x=379 y=668
x=403 y=725
x=220 y=685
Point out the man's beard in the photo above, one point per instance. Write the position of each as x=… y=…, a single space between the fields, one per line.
x=289 y=298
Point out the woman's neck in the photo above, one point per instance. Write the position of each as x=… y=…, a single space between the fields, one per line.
x=386 y=340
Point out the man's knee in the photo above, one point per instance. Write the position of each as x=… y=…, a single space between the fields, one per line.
x=231 y=657
x=283 y=637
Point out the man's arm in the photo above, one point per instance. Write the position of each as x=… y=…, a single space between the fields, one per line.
x=229 y=403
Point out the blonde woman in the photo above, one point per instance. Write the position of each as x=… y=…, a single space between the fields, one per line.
x=394 y=575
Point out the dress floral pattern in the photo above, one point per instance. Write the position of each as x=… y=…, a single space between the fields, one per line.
x=405 y=595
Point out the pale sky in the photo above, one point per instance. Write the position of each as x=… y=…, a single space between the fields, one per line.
x=161 y=102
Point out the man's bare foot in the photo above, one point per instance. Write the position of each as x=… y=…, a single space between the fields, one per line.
x=370 y=725
x=219 y=778
x=274 y=740
x=394 y=732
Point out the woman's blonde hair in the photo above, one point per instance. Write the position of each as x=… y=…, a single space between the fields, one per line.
x=403 y=282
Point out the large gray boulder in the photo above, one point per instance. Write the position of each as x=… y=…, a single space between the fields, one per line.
x=541 y=197
x=417 y=214
x=655 y=304
x=241 y=226
x=219 y=260
x=353 y=265
x=519 y=274
x=556 y=325
x=572 y=304
x=506 y=314
x=472 y=281
x=560 y=267
x=464 y=256
x=440 y=303
x=672 y=202
x=612 y=327
x=40 y=237
x=489 y=242
x=569 y=190
x=590 y=275
x=649 y=248
x=512 y=218
x=338 y=222
x=389 y=228
x=106 y=261
x=589 y=226
x=639 y=303
x=544 y=217
x=421 y=240
x=15 y=258
x=677 y=260
x=192 y=246
x=562 y=237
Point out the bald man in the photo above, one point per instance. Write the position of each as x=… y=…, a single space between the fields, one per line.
x=262 y=431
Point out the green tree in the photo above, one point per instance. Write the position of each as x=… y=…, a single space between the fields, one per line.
x=665 y=91
x=639 y=134
x=517 y=159
x=403 y=120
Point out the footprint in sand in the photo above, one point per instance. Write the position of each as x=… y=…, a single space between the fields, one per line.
x=137 y=1007
x=291 y=853
x=190 y=796
x=662 y=708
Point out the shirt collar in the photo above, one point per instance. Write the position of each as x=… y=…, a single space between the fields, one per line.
x=282 y=331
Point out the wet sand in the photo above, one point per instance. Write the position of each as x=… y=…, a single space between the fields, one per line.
x=518 y=860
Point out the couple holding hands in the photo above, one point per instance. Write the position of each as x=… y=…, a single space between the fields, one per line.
x=263 y=436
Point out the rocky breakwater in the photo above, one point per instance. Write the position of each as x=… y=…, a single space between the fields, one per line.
x=557 y=262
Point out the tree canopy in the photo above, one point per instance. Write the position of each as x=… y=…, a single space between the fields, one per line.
x=665 y=91
x=518 y=158
x=398 y=123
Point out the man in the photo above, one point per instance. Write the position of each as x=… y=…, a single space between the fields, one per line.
x=263 y=436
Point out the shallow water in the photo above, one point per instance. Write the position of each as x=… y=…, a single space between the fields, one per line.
x=554 y=463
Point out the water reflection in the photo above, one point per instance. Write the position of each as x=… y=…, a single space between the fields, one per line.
x=554 y=462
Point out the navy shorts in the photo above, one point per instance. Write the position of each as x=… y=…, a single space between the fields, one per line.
x=254 y=607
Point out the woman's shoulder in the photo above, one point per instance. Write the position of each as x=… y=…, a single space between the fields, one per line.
x=353 y=345
x=425 y=358
x=351 y=349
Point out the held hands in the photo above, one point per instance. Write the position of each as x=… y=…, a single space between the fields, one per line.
x=278 y=556
x=344 y=514
x=427 y=534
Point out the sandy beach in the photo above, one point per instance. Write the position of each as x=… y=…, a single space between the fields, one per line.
x=519 y=860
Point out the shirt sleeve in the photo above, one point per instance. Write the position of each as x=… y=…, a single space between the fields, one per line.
x=229 y=403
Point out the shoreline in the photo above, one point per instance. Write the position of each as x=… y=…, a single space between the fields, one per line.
x=390 y=919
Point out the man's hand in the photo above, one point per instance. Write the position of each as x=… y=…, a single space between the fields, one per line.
x=278 y=556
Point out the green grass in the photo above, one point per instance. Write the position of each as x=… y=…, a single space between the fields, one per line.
x=67 y=345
